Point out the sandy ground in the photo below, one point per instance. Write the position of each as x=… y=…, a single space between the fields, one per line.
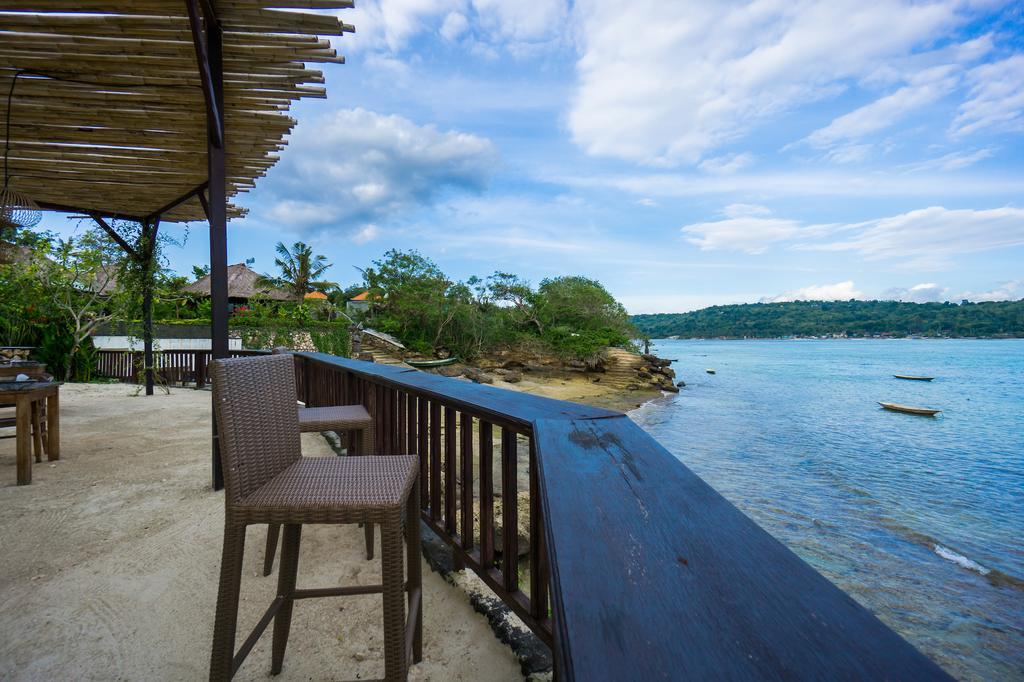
x=110 y=560
x=580 y=389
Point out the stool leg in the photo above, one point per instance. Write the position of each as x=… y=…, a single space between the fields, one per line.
x=273 y=531
x=286 y=588
x=394 y=599
x=414 y=575
x=226 y=620
x=368 y=534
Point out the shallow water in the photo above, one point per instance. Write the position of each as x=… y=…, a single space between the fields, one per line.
x=921 y=519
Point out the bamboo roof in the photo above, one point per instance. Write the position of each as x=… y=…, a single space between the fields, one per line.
x=108 y=110
x=243 y=282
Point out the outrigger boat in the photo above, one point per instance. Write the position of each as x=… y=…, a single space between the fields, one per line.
x=910 y=377
x=710 y=371
x=424 y=364
x=923 y=411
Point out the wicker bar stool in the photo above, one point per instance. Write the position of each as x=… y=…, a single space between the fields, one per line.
x=267 y=481
x=354 y=420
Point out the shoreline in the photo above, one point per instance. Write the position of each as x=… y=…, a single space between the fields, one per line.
x=581 y=389
x=837 y=338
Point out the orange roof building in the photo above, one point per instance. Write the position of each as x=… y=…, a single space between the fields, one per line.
x=316 y=296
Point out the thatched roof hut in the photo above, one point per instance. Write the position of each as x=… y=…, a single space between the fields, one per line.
x=243 y=284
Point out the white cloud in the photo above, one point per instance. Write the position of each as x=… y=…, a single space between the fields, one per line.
x=522 y=21
x=390 y=25
x=926 y=292
x=933 y=234
x=1006 y=291
x=742 y=210
x=840 y=291
x=996 y=98
x=668 y=82
x=639 y=304
x=745 y=228
x=367 y=233
x=823 y=183
x=455 y=24
x=726 y=164
x=850 y=153
x=927 y=238
x=927 y=87
x=356 y=165
x=951 y=161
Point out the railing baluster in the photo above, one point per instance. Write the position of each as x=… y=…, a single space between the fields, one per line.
x=509 y=515
x=466 y=480
x=449 y=470
x=486 y=495
x=403 y=443
x=435 y=460
x=423 y=435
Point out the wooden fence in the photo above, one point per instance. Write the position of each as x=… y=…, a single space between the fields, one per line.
x=630 y=566
x=172 y=366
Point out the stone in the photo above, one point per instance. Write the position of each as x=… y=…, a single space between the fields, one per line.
x=656 y=361
x=680 y=383
x=513 y=377
x=478 y=377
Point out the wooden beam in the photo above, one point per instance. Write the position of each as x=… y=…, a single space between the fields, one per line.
x=130 y=250
x=213 y=114
x=155 y=215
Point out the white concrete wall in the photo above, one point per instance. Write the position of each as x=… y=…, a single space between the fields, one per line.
x=131 y=343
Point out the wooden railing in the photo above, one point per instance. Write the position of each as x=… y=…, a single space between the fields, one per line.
x=630 y=566
x=172 y=366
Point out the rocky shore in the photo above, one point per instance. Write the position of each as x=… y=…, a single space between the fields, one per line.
x=616 y=379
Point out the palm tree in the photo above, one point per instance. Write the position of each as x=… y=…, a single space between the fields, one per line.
x=300 y=271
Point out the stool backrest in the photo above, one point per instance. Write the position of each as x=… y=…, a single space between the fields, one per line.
x=257 y=420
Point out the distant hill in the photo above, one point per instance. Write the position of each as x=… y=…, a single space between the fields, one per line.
x=850 y=318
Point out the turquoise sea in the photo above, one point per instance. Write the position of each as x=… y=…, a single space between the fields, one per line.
x=921 y=519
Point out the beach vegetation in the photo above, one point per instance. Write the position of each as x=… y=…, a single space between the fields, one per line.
x=414 y=300
x=853 y=318
x=300 y=271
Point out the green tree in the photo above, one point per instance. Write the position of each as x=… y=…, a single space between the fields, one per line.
x=408 y=292
x=580 y=317
x=80 y=281
x=301 y=270
x=516 y=293
x=414 y=300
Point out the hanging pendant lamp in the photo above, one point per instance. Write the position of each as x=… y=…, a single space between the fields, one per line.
x=16 y=209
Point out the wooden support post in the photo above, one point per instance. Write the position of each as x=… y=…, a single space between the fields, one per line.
x=148 y=252
x=217 y=216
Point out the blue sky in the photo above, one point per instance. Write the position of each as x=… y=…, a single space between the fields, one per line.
x=683 y=153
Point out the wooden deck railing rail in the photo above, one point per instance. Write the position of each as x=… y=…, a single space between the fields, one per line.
x=633 y=567
x=172 y=366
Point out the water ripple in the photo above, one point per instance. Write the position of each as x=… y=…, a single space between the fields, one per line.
x=920 y=519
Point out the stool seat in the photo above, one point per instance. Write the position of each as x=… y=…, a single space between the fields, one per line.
x=334 y=418
x=352 y=419
x=332 y=490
